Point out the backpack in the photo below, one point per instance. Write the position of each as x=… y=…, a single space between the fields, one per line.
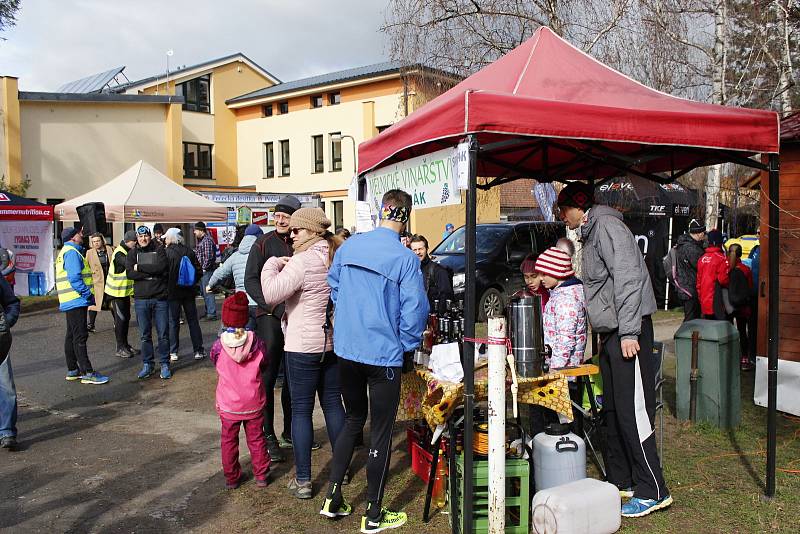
x=670 y=264
x=738 y=289
x=186 y=272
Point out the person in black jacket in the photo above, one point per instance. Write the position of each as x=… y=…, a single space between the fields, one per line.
x=268 y=319
x=147 y=267
x=438 y=283
x=182 y=296
x=8 y=392
x=688 y=250
x=121 y=305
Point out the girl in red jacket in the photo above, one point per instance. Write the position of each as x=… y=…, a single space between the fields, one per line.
x=712 y=268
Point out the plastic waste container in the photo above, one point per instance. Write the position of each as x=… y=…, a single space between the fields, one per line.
x=36 y=283
x=718 y=390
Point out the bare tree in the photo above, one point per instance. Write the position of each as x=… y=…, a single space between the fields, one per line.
x=8 y=13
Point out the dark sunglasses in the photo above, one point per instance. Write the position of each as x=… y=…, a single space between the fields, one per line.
x=295 y=231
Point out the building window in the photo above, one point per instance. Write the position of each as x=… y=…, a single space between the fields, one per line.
x=336 y=151
x=196 y=94
x=382 y=128
x=285 y=167
x=269 y=161
x=196 y=160
x=338 y=214
x=319 y=159
x=334 y=98
x=267 y=110
x=283 y=107
x=316 y=101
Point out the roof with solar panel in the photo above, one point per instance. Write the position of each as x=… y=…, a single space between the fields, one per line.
x=102 y=82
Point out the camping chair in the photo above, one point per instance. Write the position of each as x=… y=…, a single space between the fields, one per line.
x=658 y=355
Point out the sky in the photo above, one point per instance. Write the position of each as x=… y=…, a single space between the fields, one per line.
x=56 y=41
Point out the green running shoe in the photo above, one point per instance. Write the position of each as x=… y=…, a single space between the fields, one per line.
x=388 y=520
x=332 y=511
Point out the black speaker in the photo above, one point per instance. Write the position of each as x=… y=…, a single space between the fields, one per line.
x=93 y=217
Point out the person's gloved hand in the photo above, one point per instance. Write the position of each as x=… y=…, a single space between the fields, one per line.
x=408 y=361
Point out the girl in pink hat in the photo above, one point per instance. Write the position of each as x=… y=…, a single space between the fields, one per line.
x=564 y=315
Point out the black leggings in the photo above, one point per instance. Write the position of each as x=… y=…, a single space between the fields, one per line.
x=121 y=311
x=383 y=385
x=268 y=328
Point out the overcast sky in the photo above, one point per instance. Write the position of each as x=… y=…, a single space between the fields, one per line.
x=56 y=41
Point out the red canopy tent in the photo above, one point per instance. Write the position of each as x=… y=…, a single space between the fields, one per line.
x=548 y=111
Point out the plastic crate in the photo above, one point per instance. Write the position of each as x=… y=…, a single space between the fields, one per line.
x=517 y=496
x=421 y=461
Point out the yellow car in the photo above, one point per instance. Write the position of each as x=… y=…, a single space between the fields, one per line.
x=747 y=242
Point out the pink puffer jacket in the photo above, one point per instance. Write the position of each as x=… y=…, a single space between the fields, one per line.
x=303 y=285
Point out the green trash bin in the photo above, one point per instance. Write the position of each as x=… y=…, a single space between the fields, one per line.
x=718 y=395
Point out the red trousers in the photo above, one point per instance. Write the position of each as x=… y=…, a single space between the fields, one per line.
x=229 y=444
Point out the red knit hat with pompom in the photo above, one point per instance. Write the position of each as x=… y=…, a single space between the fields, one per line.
x=235 y=311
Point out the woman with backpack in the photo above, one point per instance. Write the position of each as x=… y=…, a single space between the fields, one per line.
x=182 y=279
x=311 y=365
x=740 y=290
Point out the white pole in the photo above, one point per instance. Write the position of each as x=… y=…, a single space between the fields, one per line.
x=669 y=247
x=497 y=424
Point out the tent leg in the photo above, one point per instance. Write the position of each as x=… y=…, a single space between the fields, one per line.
x=773 y=326
x=470 y=302
x=669 y=247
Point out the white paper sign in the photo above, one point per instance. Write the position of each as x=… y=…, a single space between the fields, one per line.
x=364 y=218
x=32 y=245
x=461 y=165
x=428 y=179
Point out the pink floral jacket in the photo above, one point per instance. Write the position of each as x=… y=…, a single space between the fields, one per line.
x=564 y=319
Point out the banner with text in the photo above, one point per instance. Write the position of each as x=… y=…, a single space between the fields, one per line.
x=429 y=179
x=32 y=245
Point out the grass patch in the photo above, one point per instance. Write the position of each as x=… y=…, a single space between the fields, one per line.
x=31 y=304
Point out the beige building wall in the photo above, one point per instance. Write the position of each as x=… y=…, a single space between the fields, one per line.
x=216 y=128
x=70 y=148
x=354 y=117
x=10 y=149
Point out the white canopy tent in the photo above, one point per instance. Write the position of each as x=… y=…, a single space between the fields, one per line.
x=144 y=194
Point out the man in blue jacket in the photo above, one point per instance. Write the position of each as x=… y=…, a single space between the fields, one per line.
x=75 y=295
x=8 y=393
x=381 y=311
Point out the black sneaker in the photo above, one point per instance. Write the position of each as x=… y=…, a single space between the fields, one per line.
x=8 y=443
x=274 y=449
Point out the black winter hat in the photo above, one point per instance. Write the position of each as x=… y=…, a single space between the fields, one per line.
x=696 y=228
x=288 y=205
x=577 y=195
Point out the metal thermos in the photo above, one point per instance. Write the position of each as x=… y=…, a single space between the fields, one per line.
x=527 y=335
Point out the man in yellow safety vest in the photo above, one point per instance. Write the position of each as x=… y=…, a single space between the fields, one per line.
x=75 y=295
x=120 y=289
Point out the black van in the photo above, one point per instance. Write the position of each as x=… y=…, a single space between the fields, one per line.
x=501 y=247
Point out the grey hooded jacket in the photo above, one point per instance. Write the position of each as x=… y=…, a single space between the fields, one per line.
x=235 y=266
x=618 y=288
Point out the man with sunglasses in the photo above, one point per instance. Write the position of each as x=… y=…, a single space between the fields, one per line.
x=268 y=320
x=147 y=266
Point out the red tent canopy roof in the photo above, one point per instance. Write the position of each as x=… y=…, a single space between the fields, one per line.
x=548 y=89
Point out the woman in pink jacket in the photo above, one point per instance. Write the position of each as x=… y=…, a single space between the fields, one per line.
x=311 y=366
x=240 y=358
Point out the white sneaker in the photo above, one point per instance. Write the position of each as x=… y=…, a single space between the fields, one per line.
x=199 y=355
x=173 y=356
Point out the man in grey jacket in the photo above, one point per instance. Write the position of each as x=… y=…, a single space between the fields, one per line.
x=620 y=301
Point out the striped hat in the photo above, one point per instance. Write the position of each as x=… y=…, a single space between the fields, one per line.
x=555 y=262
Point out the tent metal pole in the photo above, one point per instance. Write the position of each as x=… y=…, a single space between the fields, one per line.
x=773 y=326
x=669 y=247
x=470 y=302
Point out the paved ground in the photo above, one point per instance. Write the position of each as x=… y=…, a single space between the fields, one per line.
x=143 y=456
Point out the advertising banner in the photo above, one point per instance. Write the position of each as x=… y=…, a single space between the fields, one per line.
x=429 y=179
x=32 y=245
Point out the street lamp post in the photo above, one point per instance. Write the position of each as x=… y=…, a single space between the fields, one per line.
x=353 y=139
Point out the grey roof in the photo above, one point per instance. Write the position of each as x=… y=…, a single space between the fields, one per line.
x=178 y=72
x=91 y=84
x=99 y=97
x=323 y=79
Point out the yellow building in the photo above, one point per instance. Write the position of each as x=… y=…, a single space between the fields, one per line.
x=302 y=136
x=208 y=143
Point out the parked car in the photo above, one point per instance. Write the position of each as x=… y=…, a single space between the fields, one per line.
x=500 y=248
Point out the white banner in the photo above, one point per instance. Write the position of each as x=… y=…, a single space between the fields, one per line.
x=429 y=179
x=32 y=245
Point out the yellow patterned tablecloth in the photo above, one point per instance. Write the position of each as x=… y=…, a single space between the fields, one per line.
x=424 y=396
